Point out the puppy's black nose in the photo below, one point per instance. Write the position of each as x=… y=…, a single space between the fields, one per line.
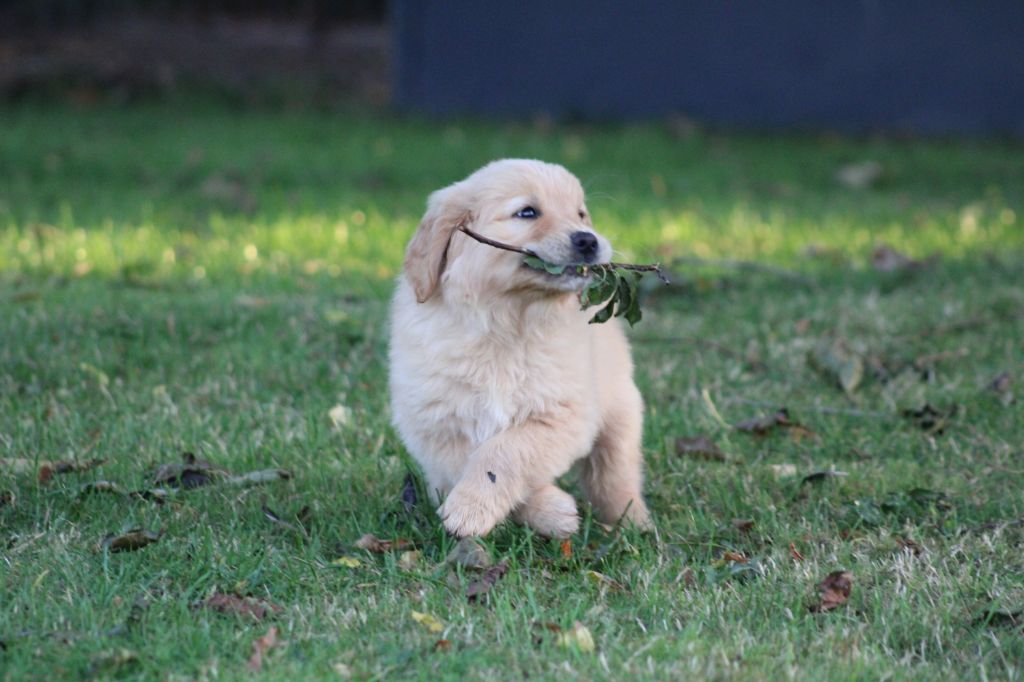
x=585 y=244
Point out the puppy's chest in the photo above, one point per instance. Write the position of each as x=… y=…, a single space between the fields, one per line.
x=493 y=391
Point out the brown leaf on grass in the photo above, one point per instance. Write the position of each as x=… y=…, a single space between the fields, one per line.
x=734 y=557
x=409 y=497
x=443 y=645
x=743 y=525
x=887 y=259
x=260 y=477
x=134 y=539
x=700 y=447
x=930 y=419
x=908 y=545
x=407 y=560
x=46 y=470
x=835 y=590
x=260 y=646
x=372 y=543
x=248 y=607
x=566 y=548
x=187 y=474
x=578 y=637
x=604 y=581
x=1002 y=383
x=1000 y=618
x=479 y=588
x=761 y=426
x=819 y=476
x=834 y=359
x=1002 y=387
x=795 y=553
x=105 y=663
x=25 y=296
x=102 y=487
x=468 y=553
x=540 y=629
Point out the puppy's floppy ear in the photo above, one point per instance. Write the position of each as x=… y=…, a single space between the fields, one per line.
x=427 y=253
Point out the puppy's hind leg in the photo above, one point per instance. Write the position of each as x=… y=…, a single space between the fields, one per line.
x=550 y=511
x=612 y=475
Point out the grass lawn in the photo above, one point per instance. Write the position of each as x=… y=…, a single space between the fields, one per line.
x=215 y=281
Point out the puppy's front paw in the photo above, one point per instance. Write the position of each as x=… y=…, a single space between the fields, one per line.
x=465 y=512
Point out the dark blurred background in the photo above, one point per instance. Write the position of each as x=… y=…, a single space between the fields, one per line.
x=913 y=66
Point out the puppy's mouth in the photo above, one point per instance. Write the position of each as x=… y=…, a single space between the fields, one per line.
x=563 y=276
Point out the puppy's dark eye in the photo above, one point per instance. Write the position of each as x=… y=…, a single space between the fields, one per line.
x=528 y=213
x=583 y=215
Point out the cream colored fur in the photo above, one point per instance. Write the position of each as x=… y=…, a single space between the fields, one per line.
x=498 y=383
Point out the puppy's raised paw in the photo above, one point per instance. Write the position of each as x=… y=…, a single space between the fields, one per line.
x=466 y=513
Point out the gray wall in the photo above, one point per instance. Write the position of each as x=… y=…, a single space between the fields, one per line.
x=929 y=66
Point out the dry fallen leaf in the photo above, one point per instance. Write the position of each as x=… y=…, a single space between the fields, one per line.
x=784 y=470
x=372 y=543
x=566 y=548
x=482 y=585
x=134 y=539
x=340 y=415
x=838 y=362
x=996 y=618
x=929 y=419
x=408 y=560
x=700 y=447
x=795 y=553
x=468 y=553
x=760 y=426
x=443 y=645
x=46 y=470
x=908 y=545
x=835 y=590
x=887 y=259
x=428 y=621
x=1002 y=386
x=734 y=557
x=248 y=607
x=409 y=496
x=605 y=581
x=743 y=525
x=189 y=473
x=819 y=476
x=105 y=663
x=260 y=646
x=578 y=637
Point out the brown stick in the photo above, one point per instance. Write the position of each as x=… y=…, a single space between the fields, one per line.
x=527 y=252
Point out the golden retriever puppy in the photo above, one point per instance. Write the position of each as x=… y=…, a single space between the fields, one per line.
x=498 y=383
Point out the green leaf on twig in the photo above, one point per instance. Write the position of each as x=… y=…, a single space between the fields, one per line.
x=618 y=288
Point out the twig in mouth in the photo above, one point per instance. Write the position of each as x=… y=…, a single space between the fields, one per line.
x=655 y=268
